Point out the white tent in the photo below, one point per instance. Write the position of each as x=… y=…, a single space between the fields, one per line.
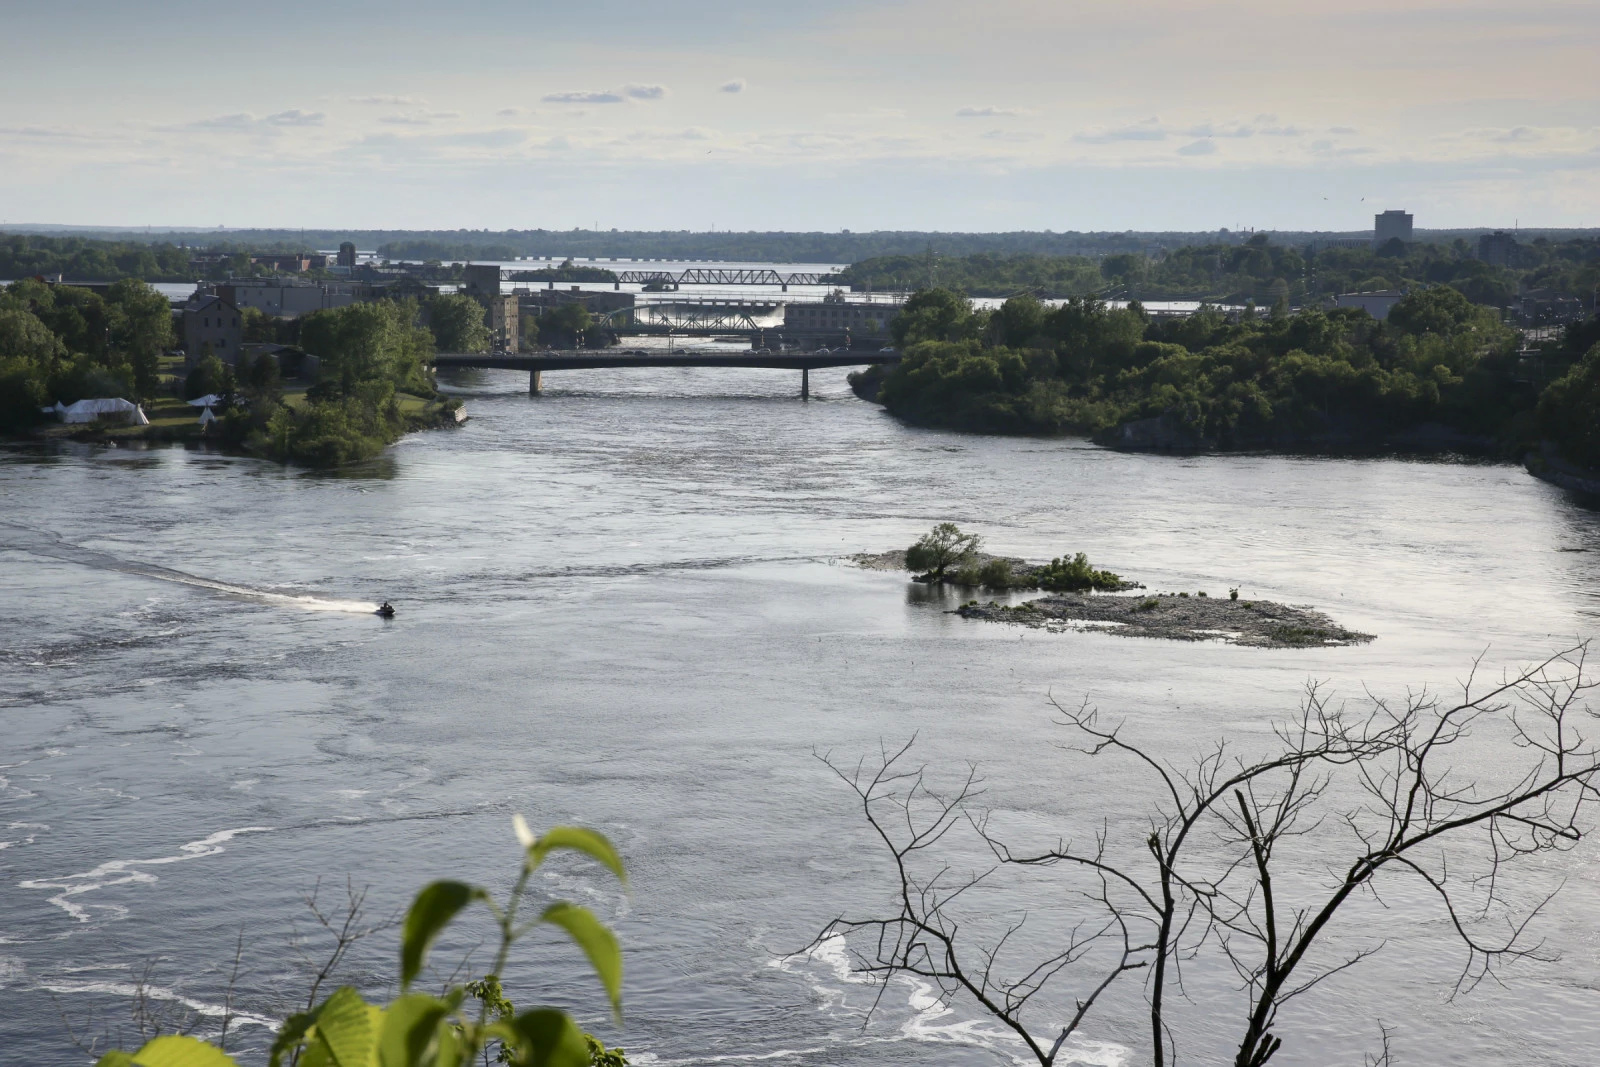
x=108 y=408
x=210 y=400
x=207 y=417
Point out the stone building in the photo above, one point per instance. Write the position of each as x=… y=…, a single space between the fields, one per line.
x=209 y=320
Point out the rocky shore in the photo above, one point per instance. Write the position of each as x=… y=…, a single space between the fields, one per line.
x=1177 y=617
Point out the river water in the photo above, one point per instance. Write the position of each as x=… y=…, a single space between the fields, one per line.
x=622 y=605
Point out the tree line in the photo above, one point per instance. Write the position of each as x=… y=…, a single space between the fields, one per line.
x=1258 y=271
x=1335 y=378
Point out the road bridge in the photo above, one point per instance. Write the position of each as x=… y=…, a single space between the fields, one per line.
x=536 y=363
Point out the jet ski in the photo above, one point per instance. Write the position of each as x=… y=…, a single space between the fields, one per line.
x=386 y=611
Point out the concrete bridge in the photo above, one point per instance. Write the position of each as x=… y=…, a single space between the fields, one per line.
x=536 y=363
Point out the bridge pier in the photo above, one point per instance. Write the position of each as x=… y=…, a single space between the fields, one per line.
x=805 y=383
x=534 y=383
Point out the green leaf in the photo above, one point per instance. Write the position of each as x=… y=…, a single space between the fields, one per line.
x=591 y=843
x=348 y=1027
x=115 y=1058
x=544 y=1037
x=597 y=942
x=174 y=1050
x=289 y=1037
x=410 y=1025
x=430 y=913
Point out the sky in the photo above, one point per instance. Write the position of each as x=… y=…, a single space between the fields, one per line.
x=808 y=115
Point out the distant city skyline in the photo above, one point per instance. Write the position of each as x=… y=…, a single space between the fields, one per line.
x=868 y=115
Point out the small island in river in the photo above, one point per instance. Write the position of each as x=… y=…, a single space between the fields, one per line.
x=1079 y=597
x=1178 y=617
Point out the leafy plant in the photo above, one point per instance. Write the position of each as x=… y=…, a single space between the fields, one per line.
x=420 y=1030
x=997 y=574
x=940 y=549
x=1073 y=574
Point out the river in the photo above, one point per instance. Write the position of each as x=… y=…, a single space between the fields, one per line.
x=622 y=604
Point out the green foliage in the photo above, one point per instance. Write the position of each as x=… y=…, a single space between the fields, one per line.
x=458 y=323
x=418 y=1030
x=369 y=350
x=934 y=315
x=85 y=260
x=941 y=548
x=1074 y=575
x=61 y=343
x=1569 y=411
x=562 y=326
x=210 y=375
x=997 y=574
x=1088 y=368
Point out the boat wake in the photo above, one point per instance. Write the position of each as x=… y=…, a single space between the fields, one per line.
x=41 y=543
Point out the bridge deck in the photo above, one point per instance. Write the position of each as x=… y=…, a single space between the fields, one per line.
x=600 y=359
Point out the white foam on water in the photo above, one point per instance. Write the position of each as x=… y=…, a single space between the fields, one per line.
x=124 y=872
x=150 y=992
x=929 y=1011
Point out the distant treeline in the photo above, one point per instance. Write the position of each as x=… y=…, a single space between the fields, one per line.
x=1258 y=270
x=766 y=247
x=1332 y=380
x=80 y=259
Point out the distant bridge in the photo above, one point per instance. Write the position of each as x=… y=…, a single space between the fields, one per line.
x=700 y=276
x=536 y=363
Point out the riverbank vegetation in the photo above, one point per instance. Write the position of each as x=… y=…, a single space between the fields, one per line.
x=60 y=344
x=1441 y=372
x=372 y=356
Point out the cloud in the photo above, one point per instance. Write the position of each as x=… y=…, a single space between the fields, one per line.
x=989 y=112
x=419 y=118
x=1010 y=136
x=584 y=96
x=1148 y=130
x=511 y=112
x=1198 y=148
x=296 y=117
x=1517 y=135
x=734 y=86
x=607 y=96
x=1342 y=129
x=391 y=101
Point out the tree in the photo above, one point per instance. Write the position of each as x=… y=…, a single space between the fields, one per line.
x=209 y=376
x=939 y=549
x=141 y=329
x=563 y=325
x=458 y=323
x=1569 y=411
x=933 y=315
x=419 y=1030
x=1246 y=862
x=369 y=350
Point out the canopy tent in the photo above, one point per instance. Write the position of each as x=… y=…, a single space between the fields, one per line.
x=109 y=408
x=210 y=400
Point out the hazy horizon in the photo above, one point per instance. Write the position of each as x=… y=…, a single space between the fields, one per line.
x=843 y=114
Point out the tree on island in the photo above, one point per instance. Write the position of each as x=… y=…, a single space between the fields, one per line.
x=941 y=548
